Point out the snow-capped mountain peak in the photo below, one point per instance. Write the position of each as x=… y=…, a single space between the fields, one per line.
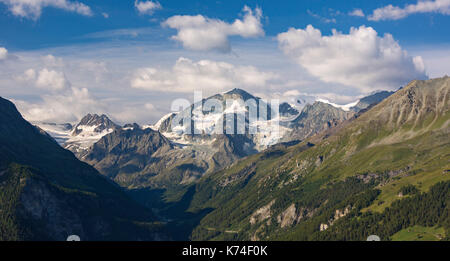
x=81 y=136
x=93 y=123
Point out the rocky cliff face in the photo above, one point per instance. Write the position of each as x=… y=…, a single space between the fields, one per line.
x=127 y=151
x=165 y=123
x=316 y=118
x=287 y=111
x=371 y=100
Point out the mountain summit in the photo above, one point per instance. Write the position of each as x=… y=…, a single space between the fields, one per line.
x=88 y=131
x=94 y=123
x=238 y=93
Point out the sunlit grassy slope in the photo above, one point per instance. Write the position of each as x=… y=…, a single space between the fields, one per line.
x=418 y=233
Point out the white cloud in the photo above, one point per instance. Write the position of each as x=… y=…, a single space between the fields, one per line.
x=29 y=75
x=204 y=75
x=52 y=61
x=32 y=9
x=200 y=33
x=147 y=7
x=3 y=53
x=107 y=69
x=291 y=93
x=105 y=15
x=357 y=12
x=323 y=19
x=68 y=106
x=391 y=12
x=95 y=68
x=46 y=79
x=436 y=60
x=131 y=113
x=360 y=59
x=50 y=79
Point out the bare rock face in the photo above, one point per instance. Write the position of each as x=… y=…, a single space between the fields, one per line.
x=341 y=213
x=293 y=215
x=371 y=100
x=316 y=118
x=337 y=215
x=286 y=110
x=323 y=227
x=127 y=151
x=288 y=217
x=262 y=213
x=165 y=124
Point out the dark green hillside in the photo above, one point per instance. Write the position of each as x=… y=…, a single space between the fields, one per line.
x=48 y=194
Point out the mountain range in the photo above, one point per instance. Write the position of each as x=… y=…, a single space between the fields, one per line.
x=378 y=166
x=160 y=156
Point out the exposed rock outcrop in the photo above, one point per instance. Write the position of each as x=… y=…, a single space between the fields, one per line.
x=262 y=213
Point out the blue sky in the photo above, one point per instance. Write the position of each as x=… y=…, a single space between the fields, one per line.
x=129 y=57
x=57 y=27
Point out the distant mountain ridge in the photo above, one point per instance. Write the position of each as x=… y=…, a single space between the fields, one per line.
x=79 y=137
x=372 y=99
x=118 y=152
x=317 y=118
x=187 y=157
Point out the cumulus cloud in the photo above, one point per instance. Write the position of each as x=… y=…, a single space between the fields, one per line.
x=29 y=75
x=391 y=12
x=32 y=9
x=52 y=61
x=130 y=113
x=3 y=53
x=357 y=12
x=147 y=7
x=96 y=68
x=200 y=33
x=50 y=79
x=360 y=59
x=46 y=79
x=205 y=75
x=67 y=106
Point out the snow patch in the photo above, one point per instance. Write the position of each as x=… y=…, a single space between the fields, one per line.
x=345 y=107
x=88 y=136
